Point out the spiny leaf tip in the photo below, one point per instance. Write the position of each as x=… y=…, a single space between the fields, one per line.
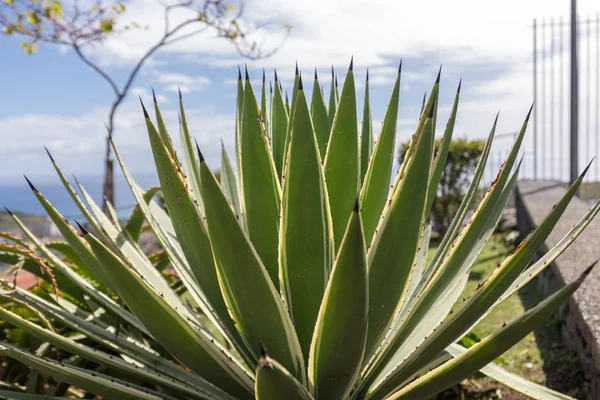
x=529 y=113
x=8 y=211
x=154 y=96
x=300 y=86
x=437 y=80
x=246 y=69
x=81 y=228
x=30 y=184
x=351 y=67
x=297 y=71
x=200 y=156
x=144 y=108
x=357 y=204
x=49 y=155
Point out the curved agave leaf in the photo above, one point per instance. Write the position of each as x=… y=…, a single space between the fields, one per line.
x=306 y=240
x=515 y=382
x=135 y=223
x=190 y=162
x=333 y=99
x=195 y=349
x=263 y=104
x=160 y=223
x=455 y=266
x=104 y=335
x=366 y=138
x=92 y=266
x=318 y=112
x=261 y=194
x=442 y=153
x=230 y=184
x=206 y=391
x=395 y=244
x=338 y=345
x=376 y=186
x=279 y=127
x=249 y=292
x=487 y=350
x=76 y=279
x=273 y=380
x=94 y=382
x=484 y=297
x=341 y=160
x=455 y=225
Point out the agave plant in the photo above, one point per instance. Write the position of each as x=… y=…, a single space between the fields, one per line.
x=302 y=273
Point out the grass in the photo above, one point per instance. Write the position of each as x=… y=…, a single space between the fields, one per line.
x=540 y=357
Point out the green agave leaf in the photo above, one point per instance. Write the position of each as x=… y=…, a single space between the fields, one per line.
x=103 y=385
x=9 y=236
x=102 y=334
x=80 y=205
x=426 y=110
x=290 y=109
x=540 y=265
x=187 y=221
x=488 y=292
x=90 y=265
x=279 y=127
x=207 y=391
x=460 y=258
x=515 y=382
x=273 y=380
x=455 y=225
x=418 y=267
x=134 y=224
x=229 y=183
x=161 y=225
x=341 y=160
x=366 y=138
x=261 y=194
x=318 y=112
x=398 y=348
x=338 y=345
x=76 y=279
x=249 y=292
x=306 y=240
x=333 y=99
x=487 y=350
x=264 y=110
x=394 y=247
x=376 y=186
x=190 y=162
x=238 y=121
x=193 y=347
x=135 y=257
x=162 y=129
x=442 y=153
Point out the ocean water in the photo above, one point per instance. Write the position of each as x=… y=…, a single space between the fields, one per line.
x=19 y=197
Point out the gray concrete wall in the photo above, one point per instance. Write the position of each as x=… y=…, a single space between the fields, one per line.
x=581 y=316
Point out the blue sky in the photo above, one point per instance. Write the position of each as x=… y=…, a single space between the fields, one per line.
x=52 y=99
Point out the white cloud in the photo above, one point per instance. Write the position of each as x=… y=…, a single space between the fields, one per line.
x=77 y=142
x=186 y=83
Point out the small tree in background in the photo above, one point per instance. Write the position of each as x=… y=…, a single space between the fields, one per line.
x=77 y=25
x=456 y=176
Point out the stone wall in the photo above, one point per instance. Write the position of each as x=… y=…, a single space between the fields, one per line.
x=581 y=315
